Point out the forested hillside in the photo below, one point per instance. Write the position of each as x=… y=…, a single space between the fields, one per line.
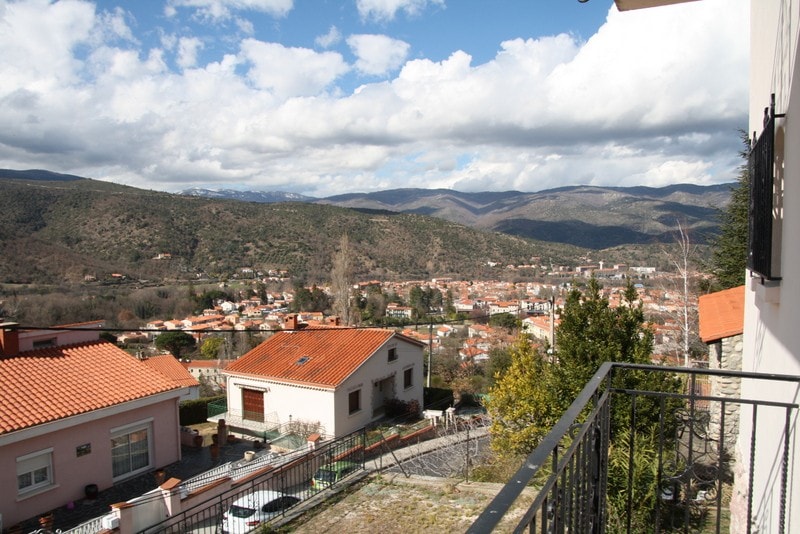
x=61 y=231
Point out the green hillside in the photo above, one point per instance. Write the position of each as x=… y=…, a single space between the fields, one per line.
x=58 y=232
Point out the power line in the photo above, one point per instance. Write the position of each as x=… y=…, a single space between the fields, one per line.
x=485 y=316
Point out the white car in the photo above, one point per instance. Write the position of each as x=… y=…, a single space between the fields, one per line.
x=249 y=512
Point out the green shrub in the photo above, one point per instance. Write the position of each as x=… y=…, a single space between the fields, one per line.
x=192 y=412
x=438 y=398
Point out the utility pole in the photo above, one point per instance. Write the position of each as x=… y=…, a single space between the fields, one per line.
x=430 y=348
x=553 y=327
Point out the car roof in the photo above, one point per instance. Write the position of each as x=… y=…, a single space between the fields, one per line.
x=259 y=497
x=337 y=465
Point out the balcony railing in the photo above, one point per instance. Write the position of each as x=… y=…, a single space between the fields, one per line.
x=593 y=478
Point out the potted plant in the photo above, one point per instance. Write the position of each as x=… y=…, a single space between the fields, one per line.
x=46 y=521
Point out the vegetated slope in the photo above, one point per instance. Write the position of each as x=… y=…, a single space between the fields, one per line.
x=38 y=174
x=60 y=231
x=586 y=216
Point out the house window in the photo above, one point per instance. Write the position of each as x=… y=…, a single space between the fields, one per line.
x=408 y=378
x=130 y=450
x=392 y=354
x=45 y=343
x=34 y=471
x=354 y=401
x=761 y=166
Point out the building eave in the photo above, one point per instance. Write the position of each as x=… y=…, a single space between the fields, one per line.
x=628 y=5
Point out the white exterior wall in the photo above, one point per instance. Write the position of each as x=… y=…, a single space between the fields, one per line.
x=366 y=378
x=771 y=333
x=287 y=402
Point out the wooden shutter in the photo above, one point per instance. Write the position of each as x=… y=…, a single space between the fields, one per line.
x=253 y=404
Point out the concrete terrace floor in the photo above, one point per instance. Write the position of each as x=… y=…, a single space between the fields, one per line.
x=194 y=461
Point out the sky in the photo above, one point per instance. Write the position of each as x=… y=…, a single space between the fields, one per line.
x=326 y=97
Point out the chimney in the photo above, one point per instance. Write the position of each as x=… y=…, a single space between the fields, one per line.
x=290 y=323
x=333 y=320
x=9 y=339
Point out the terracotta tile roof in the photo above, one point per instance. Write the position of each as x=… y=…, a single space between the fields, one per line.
x=721 y=314
x=204 y=364
x=170 y=367
x=329 y=355
x=41 y=386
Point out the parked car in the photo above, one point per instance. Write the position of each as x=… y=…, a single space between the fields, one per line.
x=248 y=512
x=332 y=473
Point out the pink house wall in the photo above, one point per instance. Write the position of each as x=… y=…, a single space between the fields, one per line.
x=72 y=473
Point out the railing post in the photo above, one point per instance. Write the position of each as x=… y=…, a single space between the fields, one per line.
x=595 y=464
x=787 y=427
x=555 y=504
x=631 y=465
x=751 y=474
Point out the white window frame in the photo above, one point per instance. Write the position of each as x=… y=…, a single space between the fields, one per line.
x=30 y=464
x=119 y=432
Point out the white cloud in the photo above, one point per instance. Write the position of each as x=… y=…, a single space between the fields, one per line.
x=386 y=10
x=222 y=9
x=291 y=72
x=377 y=54
x=654 y=97
x=116 y=26
x=245 y=26
x=334 y=36
x=187 y=51
x=38 y=40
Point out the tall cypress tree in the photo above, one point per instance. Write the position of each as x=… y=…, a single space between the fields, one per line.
x=729 y=259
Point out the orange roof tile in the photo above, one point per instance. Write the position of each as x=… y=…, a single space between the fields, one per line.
x=332 y=355
x=721 y=314
x=170 y=367
x=41 y=386
x=205 y=364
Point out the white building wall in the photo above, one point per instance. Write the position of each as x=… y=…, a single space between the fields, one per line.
x=286 y=402
x=367 y=377
x=771 y=333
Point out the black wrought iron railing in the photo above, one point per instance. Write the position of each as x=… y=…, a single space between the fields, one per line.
x=667 y=466
x=292 y=477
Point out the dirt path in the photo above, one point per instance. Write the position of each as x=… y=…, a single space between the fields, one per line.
x=388 y=504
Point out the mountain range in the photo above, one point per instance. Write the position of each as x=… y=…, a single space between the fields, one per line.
x=591 y=217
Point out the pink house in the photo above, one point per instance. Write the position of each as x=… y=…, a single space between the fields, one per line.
x=77 y=415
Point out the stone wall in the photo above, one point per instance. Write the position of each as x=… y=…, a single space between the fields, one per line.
x=725 y=354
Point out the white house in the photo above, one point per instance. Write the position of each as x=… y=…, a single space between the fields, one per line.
x=210 y=370
x=336 y=379
x=771 y=337
x=398 y=312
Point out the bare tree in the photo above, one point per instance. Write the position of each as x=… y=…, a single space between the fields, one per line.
x=681 y=260
x=342 y=281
